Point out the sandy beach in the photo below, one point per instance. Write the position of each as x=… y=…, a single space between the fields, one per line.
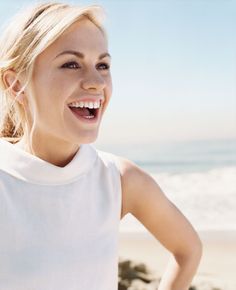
x=217 y=268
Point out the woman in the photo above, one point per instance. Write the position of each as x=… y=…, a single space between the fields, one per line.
x=61 y=199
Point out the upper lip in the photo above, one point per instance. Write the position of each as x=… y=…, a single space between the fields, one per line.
x=88 y=99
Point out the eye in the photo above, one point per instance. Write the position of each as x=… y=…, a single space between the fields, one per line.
x=75 y=65
x=104 y=66
x=71 y=65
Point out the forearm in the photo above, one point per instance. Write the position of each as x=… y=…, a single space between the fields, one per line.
x=180 y=272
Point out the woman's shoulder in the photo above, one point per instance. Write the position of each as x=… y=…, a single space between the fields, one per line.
x=125 y=166
x=129 y=169
x=134 y=184
x=130 y=172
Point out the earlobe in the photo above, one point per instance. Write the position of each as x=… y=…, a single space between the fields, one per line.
x=20 y=98
x=13 y=85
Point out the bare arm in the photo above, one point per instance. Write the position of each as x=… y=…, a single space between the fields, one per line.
x=144 y=199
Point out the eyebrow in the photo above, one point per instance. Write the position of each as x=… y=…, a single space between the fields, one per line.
x=81 y=55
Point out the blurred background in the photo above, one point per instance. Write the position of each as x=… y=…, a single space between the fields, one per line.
x=173 y=112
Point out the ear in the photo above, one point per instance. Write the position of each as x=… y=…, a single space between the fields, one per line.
x=14 y=85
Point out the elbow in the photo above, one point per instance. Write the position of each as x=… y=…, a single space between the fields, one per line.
x=197 y=251
x=192 y=253
x=197 y=247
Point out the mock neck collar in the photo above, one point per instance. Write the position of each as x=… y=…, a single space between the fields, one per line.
x=31 y=168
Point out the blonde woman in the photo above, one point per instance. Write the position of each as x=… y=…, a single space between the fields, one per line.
x=61 y=199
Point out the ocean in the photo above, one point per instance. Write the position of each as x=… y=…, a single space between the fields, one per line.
x=199 y=177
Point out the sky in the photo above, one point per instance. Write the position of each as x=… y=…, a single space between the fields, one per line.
x=173 y=69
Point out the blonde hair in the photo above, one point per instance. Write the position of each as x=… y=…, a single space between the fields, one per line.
x=28 y=34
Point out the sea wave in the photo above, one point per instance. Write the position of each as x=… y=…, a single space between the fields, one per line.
x=206 y=198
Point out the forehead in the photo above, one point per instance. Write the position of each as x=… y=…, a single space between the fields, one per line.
x=84 y=31
x=82 y=35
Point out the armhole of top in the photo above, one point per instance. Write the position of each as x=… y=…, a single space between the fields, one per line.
x=117 y=163
x=118 y=166
x=115 y=160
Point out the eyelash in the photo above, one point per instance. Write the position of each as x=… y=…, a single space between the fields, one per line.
x=68 y=64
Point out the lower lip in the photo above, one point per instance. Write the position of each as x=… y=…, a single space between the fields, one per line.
x=87 y=120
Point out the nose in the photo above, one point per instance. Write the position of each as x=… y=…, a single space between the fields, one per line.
x=93 y=80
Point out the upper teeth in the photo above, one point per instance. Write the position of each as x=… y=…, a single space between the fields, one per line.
x=90 y=105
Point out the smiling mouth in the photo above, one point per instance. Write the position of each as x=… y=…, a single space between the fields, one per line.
x=86 y=114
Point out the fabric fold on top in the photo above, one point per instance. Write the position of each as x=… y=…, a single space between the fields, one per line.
x=30 y=168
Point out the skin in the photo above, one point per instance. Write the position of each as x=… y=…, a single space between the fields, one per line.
x=53 y=133
x=144 y=199
x=49 y=119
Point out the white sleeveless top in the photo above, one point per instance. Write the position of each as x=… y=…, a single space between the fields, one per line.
x=59 y=226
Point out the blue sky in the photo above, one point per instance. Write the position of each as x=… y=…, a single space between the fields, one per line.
x=173 y=68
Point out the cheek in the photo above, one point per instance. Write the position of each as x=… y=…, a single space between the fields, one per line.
x=52 y=89
x=109 y=87
x=108 y=93
x=62 y=87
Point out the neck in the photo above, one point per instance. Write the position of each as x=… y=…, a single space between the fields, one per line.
x=58 y=153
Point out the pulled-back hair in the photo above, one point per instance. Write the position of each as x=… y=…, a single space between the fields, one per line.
x=27 y=35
